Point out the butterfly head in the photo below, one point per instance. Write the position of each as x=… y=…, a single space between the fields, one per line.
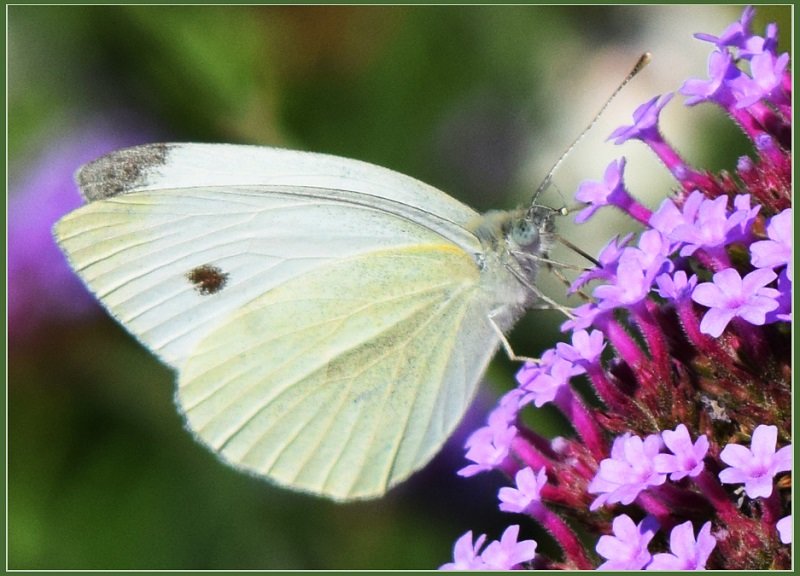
x=530 y=231
x=533 y=230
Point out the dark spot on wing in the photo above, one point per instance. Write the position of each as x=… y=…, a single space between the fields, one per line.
x=207 y=279
x=120 y=172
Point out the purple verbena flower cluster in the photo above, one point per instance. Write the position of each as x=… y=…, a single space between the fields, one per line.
x=685 y=340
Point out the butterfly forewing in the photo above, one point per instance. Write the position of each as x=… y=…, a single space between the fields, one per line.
x=156 y=167
x=138 y=252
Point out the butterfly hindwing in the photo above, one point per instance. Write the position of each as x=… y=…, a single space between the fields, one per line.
x=346 y=380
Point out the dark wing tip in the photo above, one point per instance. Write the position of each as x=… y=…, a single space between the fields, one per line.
x=121 y=171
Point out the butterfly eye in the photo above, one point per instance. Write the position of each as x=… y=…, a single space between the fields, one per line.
x=207 y=279
x=524 y=233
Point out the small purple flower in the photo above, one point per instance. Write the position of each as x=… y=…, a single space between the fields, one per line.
x=600 y=193
x=652 y=251
x=742 y=219
x=668 y=216
x=531 y=370
x=631 y=285
x=527 y=492
x=721 y=71
x=686 y=458
x=465 y=554
x=783 y=313
x=584 y=316
x=627 y=548
x=703 y=222
x=645 y=122
x=629 y=471
x=784 y=526
x=488 y=447
x=734 y=35
x=730 y=296
x=585 y=349
x=509 y=405
x=686 y=553
x=758 y=465
x=676 y=286
x=543 y=385
x=709 y=227
x=766 y=83
x=508 y=554
x=759 y=44
x=41 y=286
x=607 y=259
x=777 y=251
x=609 y=192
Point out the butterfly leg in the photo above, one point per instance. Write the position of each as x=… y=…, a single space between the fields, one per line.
x=507 y=345
x=565 y=281
x=541 y=296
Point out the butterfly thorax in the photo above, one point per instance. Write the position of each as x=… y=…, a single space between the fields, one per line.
x=515 y=243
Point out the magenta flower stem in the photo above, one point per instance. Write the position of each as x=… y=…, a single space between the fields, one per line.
x=654 y=506
x=771 y=506
x=753 y=341
x=711 y=488
x=688 y=177
x=680 y=499
x=765 y=116
x=635 y=210
x=714 y=260
x=770 y=149
x=563 y=534
x=667 y=154
x=608 y=392
x=654 y=337
x=583 y=421
x=528 y=454
x=625 y=345
x=786 y=83
x=704 y=344
x=750 y=125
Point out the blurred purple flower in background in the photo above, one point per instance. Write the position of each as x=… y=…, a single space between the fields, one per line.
x=42 y=288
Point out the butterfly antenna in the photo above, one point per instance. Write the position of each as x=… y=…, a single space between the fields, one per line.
x=643 y=61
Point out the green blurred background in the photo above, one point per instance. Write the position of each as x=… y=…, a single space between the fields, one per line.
x=478 y=101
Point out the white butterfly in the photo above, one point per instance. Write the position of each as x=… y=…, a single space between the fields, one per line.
x=328 y=319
